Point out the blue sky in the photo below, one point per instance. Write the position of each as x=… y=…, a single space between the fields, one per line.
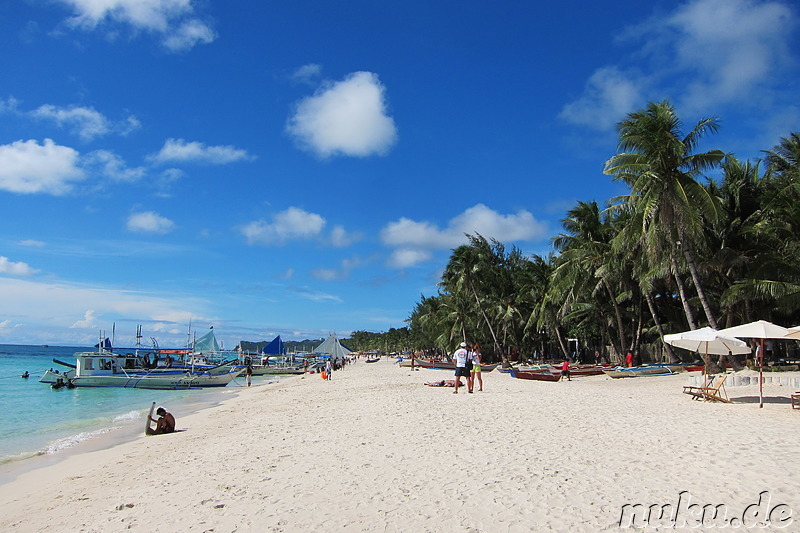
x=298 y=168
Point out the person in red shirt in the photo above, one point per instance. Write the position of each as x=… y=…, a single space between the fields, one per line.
x=629 y=360
x=565 y=370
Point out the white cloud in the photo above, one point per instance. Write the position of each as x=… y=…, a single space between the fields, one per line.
x=189 y=34
x=341 y=238
x=149 y=222
x=29 y=167
x=307 y=73
x=315 y=296
x=294 y=223
x=6 y=325
x=345 y=118
x=9 y=105
x=609 y=95
x=730 y=46
x=85 y=121
x=89 y=321
x=53 y=307
x=477 y=219
x=705 y=52
x=113 y=166
x=170 y=18
x=61 y=302
x=404 y=258
x=181 y=151
x=413 y=240
x=32 y=243
x=15 y=268
x=325 y=274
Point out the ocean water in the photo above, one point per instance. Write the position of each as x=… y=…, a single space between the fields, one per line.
x=38 y=420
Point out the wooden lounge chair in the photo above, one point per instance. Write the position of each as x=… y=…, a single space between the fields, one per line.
x=796 y=400
x=712 y=393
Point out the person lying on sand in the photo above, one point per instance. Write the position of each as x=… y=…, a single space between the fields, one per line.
x=444 y=383
x=164 y=424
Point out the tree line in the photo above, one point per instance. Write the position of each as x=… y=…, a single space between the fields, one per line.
x=700 y=238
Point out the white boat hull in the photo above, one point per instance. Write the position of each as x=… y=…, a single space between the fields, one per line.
x=102 y=369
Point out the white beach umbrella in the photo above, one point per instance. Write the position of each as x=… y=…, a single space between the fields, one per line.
x=707 y=340
x=760 y=329
x=794 y=333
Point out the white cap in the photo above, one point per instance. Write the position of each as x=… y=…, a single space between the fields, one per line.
x=463 y=344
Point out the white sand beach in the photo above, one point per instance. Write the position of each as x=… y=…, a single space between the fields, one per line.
x=376 y=450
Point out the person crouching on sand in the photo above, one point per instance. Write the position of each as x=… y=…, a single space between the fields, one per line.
x=164 y=424
x=461 y=358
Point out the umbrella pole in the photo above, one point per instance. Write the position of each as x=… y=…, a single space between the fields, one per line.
x=761 y=376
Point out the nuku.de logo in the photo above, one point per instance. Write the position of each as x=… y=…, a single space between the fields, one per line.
x=686 y=514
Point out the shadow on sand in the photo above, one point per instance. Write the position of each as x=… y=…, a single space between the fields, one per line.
x=767 y=399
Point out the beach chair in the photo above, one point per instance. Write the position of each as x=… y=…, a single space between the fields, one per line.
x=712 y=393
x=796 y=400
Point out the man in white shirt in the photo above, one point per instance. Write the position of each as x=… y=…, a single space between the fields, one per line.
x=461 y=358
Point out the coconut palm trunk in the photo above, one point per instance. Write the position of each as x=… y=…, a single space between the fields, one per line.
x=687 y=310
x=687 y=252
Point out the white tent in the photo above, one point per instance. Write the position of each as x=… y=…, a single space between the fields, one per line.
x=331 y=346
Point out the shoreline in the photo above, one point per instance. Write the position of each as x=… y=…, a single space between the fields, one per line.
x=123 y=428
x=374 y=449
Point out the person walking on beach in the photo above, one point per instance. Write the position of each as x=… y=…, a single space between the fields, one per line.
x=461 y=357
x=629 y=360
x=476 y=369
x=328 y=369
x=565 y=370
x=249 y=374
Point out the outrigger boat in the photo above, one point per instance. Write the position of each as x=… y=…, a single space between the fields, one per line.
x=535 y=375
x=106 y=369
x=643 y=370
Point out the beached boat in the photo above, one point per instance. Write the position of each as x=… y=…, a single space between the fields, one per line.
x=574 y=371
x=543 y=374
x=644 y=370
x=445 y=365
x=105 y=369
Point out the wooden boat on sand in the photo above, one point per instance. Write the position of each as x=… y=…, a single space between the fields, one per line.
x=446 y=365
x=535 y=375
x=643 y=370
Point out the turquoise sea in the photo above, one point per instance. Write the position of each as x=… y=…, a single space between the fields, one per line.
x=39 y=421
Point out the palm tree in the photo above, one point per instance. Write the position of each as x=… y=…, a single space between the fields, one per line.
x=784 y=159
x=658 y=163
x=469 y=269
x=586 y=253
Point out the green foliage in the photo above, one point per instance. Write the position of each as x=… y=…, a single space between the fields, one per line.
x=673 y=249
